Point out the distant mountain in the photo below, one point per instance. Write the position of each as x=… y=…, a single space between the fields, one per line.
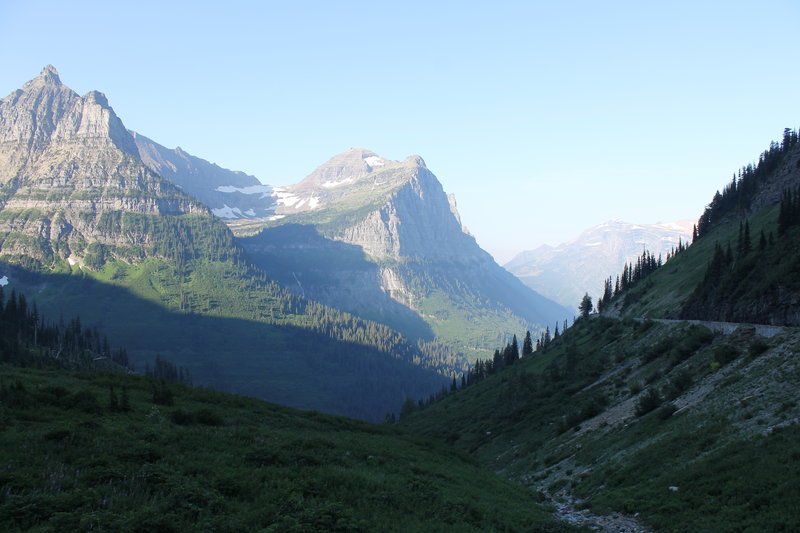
x=86 y=226
x=566 y=272
x=381 y=239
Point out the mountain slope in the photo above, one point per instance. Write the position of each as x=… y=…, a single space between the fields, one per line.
x=568 y=271
x=687 y=426
x=63 y=160
x=229 y=194
x=113 y=452
x=668 y=422
x=756 y=282
x=161 y=274
x=380 y=238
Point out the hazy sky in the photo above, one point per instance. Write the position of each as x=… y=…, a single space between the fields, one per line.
x=544 y=118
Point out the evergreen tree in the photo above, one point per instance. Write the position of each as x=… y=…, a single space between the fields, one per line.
x=527 y=345
x=113 y=403
x=513 y=352
x=586 y=306
x=125 y=404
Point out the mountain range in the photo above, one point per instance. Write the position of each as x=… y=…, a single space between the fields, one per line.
x=566 y=272
x=87 y=226
x=361 y=265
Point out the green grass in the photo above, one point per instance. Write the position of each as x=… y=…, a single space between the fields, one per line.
x=210 y=461
x=747 y=485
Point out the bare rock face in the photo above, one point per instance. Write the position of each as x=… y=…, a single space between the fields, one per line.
x=404 y=212
x=65 y=160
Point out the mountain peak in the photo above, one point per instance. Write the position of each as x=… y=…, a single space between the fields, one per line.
x=96 y=97
x=415 y=160
x=346 y=167
x=48 y=76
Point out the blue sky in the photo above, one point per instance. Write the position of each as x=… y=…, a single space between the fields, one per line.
x=544 y=118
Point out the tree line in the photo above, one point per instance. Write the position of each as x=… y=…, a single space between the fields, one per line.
x=632 y=274
x=737 y=196
x=26 y=338
x=503 y=358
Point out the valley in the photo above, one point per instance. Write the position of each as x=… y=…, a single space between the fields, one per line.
x=304 y=315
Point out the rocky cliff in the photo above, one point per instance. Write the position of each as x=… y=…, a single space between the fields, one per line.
x=64 y=160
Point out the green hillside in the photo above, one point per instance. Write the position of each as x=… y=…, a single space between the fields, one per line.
x=743 y=264
x=113 y=452
x=292 y=357
x=682 y=426
x=615 y=412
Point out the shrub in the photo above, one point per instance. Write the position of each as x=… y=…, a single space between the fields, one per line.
x=757 y=347
x=208 y=417
x=182 y=418
x=678 y=384
x=648 y=402
x=666 y=411
x=162 y=394
x=85 y=401
x=725 y=353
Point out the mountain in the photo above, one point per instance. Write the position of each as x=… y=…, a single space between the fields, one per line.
x=381 y=239
x=86 y=225
x=230 y=194
x=566 y=272
x=64 y=159
x=672 y=424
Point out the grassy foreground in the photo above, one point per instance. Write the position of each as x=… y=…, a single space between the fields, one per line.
x=152 y=456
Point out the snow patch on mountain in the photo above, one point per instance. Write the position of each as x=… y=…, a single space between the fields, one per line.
x=229 y=212
x=264 y=190
x=331 y=184
x=286 y=198
x=375 y=161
